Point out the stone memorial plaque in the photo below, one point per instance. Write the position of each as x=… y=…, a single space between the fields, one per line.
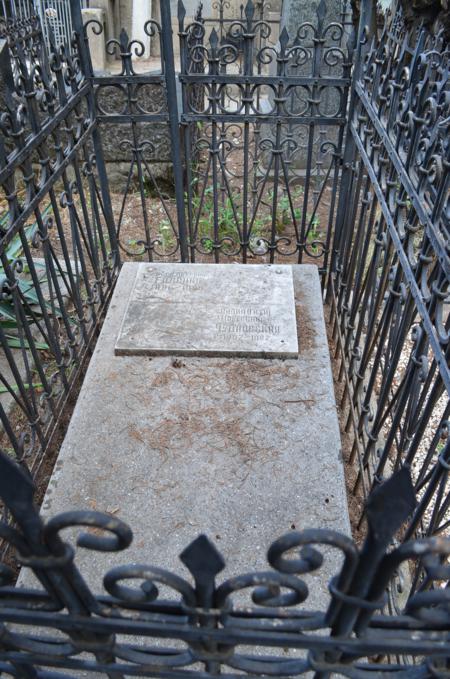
x=210 y=310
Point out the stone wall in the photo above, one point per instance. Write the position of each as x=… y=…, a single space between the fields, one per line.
x=118 y=158
x=434 y=13
x=118 y=138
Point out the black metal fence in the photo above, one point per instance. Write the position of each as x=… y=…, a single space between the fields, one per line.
x=262 y=119
x=155 y=623
x=138 y=112
x=271 y=130
x=389 y=283
x=274 y=179
x=58 y=249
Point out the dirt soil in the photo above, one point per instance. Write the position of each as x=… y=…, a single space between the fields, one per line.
x=355 y=497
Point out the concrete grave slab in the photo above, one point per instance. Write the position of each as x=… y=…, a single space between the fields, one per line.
x=242 y=449
x=210 y=310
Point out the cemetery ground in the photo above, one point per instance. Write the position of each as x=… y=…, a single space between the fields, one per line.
x=131 y=236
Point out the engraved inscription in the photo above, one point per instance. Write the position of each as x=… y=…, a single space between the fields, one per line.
x=174 y=280
x=248 y=323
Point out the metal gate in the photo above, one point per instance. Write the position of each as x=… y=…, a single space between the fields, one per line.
x=271 y=130
x=261 y=117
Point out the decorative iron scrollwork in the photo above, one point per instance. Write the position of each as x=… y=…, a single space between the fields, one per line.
x=211 y=620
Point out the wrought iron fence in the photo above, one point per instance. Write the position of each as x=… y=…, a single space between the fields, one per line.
x=262 y=120
x=54 y=15
x=253 y=624
x=58 y=254
x=389 y=286
x=138 y=115
x=272 y=180
x=271 y=136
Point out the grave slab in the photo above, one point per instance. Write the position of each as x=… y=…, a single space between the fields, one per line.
x=210 y=310
x=242 y=449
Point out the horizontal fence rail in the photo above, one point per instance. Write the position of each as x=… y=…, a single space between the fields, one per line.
x=390 y=284
x=58 y=259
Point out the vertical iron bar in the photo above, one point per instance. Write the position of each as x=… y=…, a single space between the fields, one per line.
x=86 y=64
x=174 y=123
x=342 y=222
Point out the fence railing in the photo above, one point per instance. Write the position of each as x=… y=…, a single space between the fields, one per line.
x=58 y=257
x=262 y=121
x=252 y=624
x=390 y=280
x=271 y=132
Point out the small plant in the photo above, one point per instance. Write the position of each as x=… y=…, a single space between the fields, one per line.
x=313 y=234
x=230 y=216
x=8 y=319
x=166 y=235
x=286 y=210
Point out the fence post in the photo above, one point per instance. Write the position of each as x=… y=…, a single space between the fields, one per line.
x=364 y=34
x=86 y=65
x=168 y=63
x=352 y=606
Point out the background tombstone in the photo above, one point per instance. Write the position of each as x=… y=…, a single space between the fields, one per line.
x=97 y=45
x=295 y=13
x=301 y=20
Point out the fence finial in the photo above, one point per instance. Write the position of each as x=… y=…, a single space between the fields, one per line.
x=181 y=11
x=214 y=39
x=204 y=562
x=284 y=39
x=249 y=10
x=202 y=558
x=321 y=11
